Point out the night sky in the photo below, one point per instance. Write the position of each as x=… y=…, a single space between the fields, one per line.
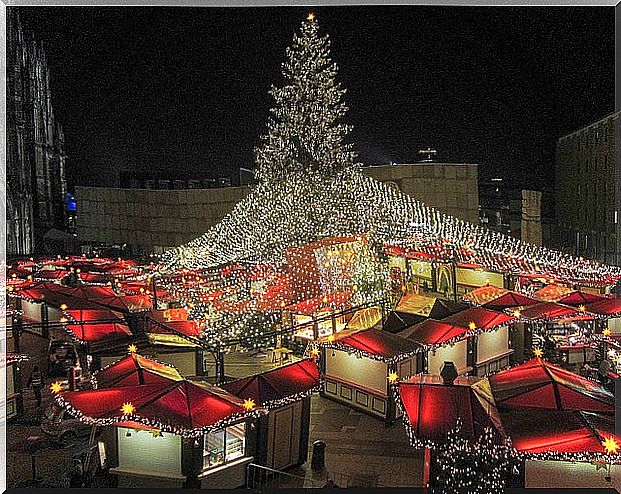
x=187 y=88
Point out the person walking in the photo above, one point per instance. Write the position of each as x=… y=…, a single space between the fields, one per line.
x=36 y=383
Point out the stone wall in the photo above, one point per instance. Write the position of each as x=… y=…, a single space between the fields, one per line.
x=156 y=220
x=451 y=188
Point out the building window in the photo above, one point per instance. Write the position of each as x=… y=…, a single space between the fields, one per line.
x=224 y=446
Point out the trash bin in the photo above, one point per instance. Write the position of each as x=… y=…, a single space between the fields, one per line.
x=319 y=455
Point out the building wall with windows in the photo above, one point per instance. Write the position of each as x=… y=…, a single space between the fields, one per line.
x=588 y=190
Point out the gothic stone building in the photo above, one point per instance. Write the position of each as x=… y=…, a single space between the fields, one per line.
x=35 y=170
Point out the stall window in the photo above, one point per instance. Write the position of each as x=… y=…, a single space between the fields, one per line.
x=224 y=446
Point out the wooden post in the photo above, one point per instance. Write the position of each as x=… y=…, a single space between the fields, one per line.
x=426 y=468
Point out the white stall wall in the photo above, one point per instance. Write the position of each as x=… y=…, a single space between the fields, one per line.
x=492 y=344
x=562 y=474
x=456 y=353
x=363 y=371
x=143 y=453
x=615 y=325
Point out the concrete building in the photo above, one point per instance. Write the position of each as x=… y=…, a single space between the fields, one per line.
x=588 y=190
x=35 y=167
x=150 y=221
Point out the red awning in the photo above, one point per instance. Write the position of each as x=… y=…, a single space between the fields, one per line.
x=561 y=432
x=432 y=408
x=91 y=325
x=432 y=332
x=278 y=386
x=376 y=343
x=134 y=370
x=552 y=293
x=539 y=384
x=483 y=319
x=576 y=299
x=549 y=311
x=181 y=407
x=610 y=307
x=137 y=389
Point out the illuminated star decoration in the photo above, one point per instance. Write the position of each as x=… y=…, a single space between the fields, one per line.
x=582 y=308
x=610 y=445
x=132 y=348
x=314 y=351
x=607 y=332
x=517 y=313
x=127 y=409
x=311 y=17
x=392 y=377
x=472 y=325
x=249 y=404
x=538 y=352
x=56 y=387
x=156 y=433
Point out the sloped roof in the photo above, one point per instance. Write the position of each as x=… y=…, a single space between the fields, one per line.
x=282 y=383
x=482 y=318
x=432 y=407
x=374 y=342
x=540 y=384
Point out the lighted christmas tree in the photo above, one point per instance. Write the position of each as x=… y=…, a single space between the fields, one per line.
x=310 y=186
x=305 y=135
x=467 y=467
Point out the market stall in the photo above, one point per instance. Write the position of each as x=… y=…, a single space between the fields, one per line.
x=356 y=366
x=161 y=430
x=282 y=434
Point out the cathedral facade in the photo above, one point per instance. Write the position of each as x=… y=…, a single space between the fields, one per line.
x=35 y=168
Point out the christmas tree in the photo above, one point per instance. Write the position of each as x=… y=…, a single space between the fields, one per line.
x=467 y=467
x=311 y=187
x=305 y=135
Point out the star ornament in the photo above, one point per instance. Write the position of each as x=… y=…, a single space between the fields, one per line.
x=472 y=325
x=132 y=348
x=610 y=445
x=156 y=433
x=392 y=377
x=127 y=409
x=314 y=352
x=310 y=17
x=249 y=404
x=56 y=387
x=538 y=352
x=607 y=332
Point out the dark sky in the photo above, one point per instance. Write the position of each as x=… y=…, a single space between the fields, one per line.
x=187 y=88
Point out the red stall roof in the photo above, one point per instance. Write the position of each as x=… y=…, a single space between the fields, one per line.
x=576 y=299
x=483 y=319
x=610 y=307
x=540 y=384
x=484 y=294
x=177 y=406
x=432 y=408
x=510 y=300
x=374 y=343
x=134 y=370
x=279 y=386
x=552 y=293
x=561 y=432
x=549 y=310
x=432 y=332
x=90 y=325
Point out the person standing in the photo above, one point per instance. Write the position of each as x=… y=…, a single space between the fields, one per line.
x=36 y=383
